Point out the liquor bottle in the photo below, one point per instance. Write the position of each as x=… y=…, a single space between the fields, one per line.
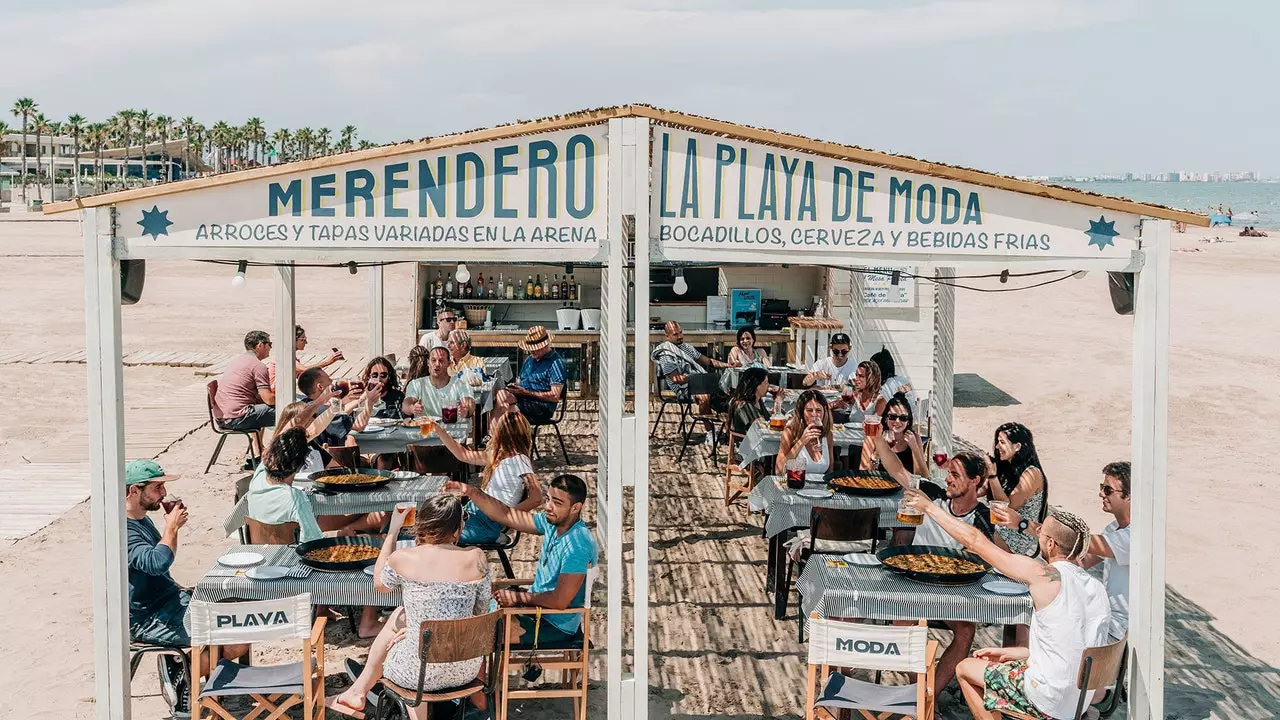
x=448 y=289
x=502 y=287
x=573 y=289
x=491 y=291
x=469 y=291
x=528 y=289
x=480 y=285
x=511 y=291
x=555 y=288
x=537 y=287
x=439 y=287
x=520 y=292
x=564 y=287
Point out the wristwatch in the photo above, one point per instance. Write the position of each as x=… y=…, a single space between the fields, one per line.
x=1023 y=524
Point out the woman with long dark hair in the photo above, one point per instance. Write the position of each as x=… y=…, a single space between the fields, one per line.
x=744 y=352
x=897 y=449
x=1021 y=481
x=747 y=403
x=808 y=435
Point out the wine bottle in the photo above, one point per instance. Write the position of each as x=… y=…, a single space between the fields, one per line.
x=573 y=289
x=502 y=287
x=491 y=291
x=537 y=287
x=555 y=288
x=480 y=285
x=564 y=287
x=528 y=288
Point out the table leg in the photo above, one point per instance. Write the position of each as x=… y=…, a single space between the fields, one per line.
x=780 y=593
x=1009 y=637
x=770 y=566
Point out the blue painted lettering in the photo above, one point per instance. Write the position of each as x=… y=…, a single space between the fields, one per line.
x=390 y=184
x=500 y=170
x=542 y=158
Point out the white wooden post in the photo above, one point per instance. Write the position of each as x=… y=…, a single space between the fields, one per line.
x=106 y=463
x=854 y=322
x=377 y=316
x=942 y=399
x=637 y=697
x=286 y=320
x=1150 y=472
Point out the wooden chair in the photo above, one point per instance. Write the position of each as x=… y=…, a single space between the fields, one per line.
x=836 y=644
x=571 y=657
x=834 y=531
x=1100 y=667
x=554 y=422
x=347 y=456
x=260 y=533
x=273 y=688
x=437 y=460
x=733 y=487
x=447 y=641
x=211 y=392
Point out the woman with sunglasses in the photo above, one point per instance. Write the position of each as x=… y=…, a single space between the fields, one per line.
x=381 y=371
x=897 y=449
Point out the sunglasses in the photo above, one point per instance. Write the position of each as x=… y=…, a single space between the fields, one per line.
x=379 y=375
x=840 y=353
x=896 y=416
x=449 y=318
x=1107 y=490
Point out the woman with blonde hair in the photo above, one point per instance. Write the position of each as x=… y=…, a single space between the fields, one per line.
x=508 y=473
x=866 y=392
x=808 y=435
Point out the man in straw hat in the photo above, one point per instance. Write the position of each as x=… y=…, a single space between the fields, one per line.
x=537 y=389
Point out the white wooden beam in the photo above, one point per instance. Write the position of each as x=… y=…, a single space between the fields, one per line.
x=639 y=682
x=1149 y=472
x=377 y=314
x=613 y=323
x=106 y=466
x=942 y=398
x=283 y=348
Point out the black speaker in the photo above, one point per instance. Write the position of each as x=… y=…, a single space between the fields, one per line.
x=132 y=274
x=1121 y=286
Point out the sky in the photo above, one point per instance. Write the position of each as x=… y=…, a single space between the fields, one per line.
x=1027 y=87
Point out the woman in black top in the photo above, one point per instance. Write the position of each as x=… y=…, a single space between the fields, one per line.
x=897 y=449
x=748 y=399
x=381 y=371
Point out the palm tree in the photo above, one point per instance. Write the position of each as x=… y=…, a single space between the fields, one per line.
x=53 y=129
x=303 y=139
x=187 y=126
x=144 y=118
x=218 y=140
x=99 y=136
x=164 y=126
x=76 y=126
x=40 y=124
x=322 y=140
x=123 y=122
x=4 y=130
x=24 y=108
x=347 y=138
x=365 y=145
x=256 y=134
x=281 y=142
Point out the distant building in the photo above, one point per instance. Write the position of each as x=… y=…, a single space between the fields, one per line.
x=115 y=161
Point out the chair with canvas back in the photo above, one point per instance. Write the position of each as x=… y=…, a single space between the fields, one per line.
x=347 y=456
x=449 y=641
x=835 y=645
x=274 y=689
x=212 y=391
x=1100 y=667
x=832 y=531
x=571 y=656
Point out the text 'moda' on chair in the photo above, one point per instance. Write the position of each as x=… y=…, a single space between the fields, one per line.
x=835 y=644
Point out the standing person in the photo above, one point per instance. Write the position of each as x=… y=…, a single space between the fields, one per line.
x=808 y=435
x=835 y=369
x=677 y=360
x=508 y=473
x=897 y=449
x=744 y=352
x=245 y=400
x=1022 y=482
x=568 y=552
x=538 y=388
x=300 y=344
x=446 y=318
x=438 y=390
x=157 y=604
x=1070 y=613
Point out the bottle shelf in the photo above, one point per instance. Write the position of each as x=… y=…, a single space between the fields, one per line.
x=504 y=301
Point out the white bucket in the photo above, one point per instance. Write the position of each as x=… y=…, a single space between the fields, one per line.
x=590 y=319
x=568 y=318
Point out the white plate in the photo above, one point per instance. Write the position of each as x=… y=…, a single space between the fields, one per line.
x=404 y=474
x=368 y=571
x=1005 y=587
x=814 y=493
x=240 y=559
x=861 y=559
x=266 y=572
x=373 y=430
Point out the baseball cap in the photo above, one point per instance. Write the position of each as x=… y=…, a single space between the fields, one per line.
x=144 y=471
x=839 y=339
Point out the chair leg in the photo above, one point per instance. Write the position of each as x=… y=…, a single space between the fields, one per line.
x=661 y=408
x=535 y=442
x=506 y=564
x=134 y=660
x=216 y=450
x=684 y=434
x=560 y=437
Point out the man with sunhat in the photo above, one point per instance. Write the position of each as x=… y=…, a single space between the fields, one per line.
x=157 y=604
x=537 y=389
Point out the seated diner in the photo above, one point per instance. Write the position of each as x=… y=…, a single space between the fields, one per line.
x=897 y=449
x=1022 y=483
x=431 y=394
x=808 y=435
x=539 y=387
x=744 y=352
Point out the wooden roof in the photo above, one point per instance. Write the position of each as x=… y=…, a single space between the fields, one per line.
x=789 y=141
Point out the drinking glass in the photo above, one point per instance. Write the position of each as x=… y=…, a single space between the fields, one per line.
x=795 y=473
x=999 y=510
x=411 y=516
x=871 y=426
x=908 y=515
x=170 y=502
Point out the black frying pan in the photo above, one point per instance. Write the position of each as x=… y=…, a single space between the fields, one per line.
x=374 y=541
x=377 y=478
x=932 y=578
x=865 y=492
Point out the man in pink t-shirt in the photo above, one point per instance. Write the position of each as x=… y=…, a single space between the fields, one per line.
x=244 y=400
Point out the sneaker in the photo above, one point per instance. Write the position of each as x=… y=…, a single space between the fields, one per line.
x=181 y=710
x=353 y=668
x=170 y=669
x=249 y=465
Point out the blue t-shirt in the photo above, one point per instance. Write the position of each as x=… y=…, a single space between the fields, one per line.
x=571 y=553
x=540 y=375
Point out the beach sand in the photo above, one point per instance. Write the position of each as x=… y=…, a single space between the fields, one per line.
x=1060 y=351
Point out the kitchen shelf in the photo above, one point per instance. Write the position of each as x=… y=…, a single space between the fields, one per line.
x=504 y=301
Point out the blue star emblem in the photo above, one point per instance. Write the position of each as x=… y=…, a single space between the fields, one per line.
x=1101 y=232
x=155 y=222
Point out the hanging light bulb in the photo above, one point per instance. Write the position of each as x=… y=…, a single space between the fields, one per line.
x=463 y=274
x=1004 y=276
x=237 y=282
x=352 y=268
x=681 y=287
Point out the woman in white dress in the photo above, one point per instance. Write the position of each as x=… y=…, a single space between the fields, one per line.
x=439 y=581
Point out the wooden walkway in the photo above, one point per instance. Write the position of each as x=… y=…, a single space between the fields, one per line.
x=206 y=364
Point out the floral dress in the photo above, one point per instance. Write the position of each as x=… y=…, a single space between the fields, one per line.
x=1032 y=509
x=433 y=601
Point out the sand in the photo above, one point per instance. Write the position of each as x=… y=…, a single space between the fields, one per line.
x=1060 y=351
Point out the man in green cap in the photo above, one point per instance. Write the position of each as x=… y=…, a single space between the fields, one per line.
x=157 y=604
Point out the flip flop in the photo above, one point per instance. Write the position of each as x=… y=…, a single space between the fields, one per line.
x=333 y=704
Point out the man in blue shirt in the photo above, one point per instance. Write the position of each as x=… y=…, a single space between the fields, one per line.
x=568 y=552
x=541 y=382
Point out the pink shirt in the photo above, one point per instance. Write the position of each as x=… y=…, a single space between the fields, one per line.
x=238 y=387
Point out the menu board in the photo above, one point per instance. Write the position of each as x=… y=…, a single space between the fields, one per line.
x=878 y=289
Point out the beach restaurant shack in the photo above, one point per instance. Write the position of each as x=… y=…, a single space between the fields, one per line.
x=619 y=199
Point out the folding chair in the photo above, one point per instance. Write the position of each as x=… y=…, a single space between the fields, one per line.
x=554 y=422
x=348 y=456
x=1100 y=667
x=666 y=395
x=704 y=383
x=274 y=688
x=447 y=641
x=733 y=487
x=571 y=656
x=211 y=391
x=833 y=531
x=836 y=644
x=506 y=540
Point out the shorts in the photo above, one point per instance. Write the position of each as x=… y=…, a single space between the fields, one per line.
x=536 y=411
x=478 y=528
x=165 y=625
x=1006 y=689
x=548 y=635
x=256 y=417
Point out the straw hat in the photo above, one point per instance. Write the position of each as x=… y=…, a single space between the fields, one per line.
x=535 y=338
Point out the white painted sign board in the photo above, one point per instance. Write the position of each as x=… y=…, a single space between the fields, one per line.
x=878 y=289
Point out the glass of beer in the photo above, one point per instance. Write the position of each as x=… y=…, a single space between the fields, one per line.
x=426 y=426
x=999 y=510
x=411 y=513
x=777 y=422
x=871 y=426
x=795 y=473
x=908 y=515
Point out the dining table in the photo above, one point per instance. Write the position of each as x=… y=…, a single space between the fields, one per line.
x=761 y=441
x=411 y=488
x=327 y=587
x=389 y=439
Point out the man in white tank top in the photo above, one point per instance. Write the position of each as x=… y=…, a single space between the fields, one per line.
x=1071 y=613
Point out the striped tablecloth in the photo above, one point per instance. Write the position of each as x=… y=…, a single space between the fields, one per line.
x=397 y=439
x=787 y=510
x=761 y=442
x=877 y=594
x=350 y=503
x=498 y=367
x=326 y=588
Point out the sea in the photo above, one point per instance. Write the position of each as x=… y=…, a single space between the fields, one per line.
x=1241 y=197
